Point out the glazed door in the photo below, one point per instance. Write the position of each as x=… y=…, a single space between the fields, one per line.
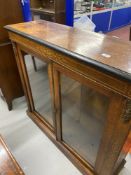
x=40 y=87
x=37 y=77
x=86 y=116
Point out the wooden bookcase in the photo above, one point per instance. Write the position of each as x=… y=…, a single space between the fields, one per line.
x=50 y=10
x=80 y=99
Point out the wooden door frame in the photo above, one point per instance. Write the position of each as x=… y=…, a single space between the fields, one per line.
x=56 y=137
x=27 y=87
x=113 y=120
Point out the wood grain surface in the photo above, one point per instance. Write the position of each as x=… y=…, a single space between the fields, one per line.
x=85 y=45
x=87 y=59
x=8 y=165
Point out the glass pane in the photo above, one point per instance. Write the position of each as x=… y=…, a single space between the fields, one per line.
x=83 y=117
x=39 y=83
x=82 y=7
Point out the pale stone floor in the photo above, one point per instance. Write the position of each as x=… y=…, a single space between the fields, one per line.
x=35 y=153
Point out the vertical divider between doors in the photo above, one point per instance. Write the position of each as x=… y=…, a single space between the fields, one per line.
x=52 y=92
x=58 y=106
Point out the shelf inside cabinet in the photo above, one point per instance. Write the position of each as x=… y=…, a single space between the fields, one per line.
x=47 y=10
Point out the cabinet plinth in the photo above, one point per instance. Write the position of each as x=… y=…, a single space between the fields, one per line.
x=78 y=97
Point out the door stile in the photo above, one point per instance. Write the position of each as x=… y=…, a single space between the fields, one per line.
x=112 y=138
x=26 y=78
x=58 y=106
x=24 y=84
x=52 y=91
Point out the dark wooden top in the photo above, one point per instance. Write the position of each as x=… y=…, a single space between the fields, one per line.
x=8 y=165
x=106 y=53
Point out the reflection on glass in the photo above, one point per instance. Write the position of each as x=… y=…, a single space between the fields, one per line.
x=84 y=7
x=83 y=116
x=39 y=83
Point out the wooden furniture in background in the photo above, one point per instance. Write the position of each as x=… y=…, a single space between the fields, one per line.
x=50 y=10
x=8 y=165
x=10 y=83
x=83 y=98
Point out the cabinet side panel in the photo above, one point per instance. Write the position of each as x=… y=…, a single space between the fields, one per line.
x=9 y=74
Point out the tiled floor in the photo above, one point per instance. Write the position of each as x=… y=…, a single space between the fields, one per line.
x=36 y=154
